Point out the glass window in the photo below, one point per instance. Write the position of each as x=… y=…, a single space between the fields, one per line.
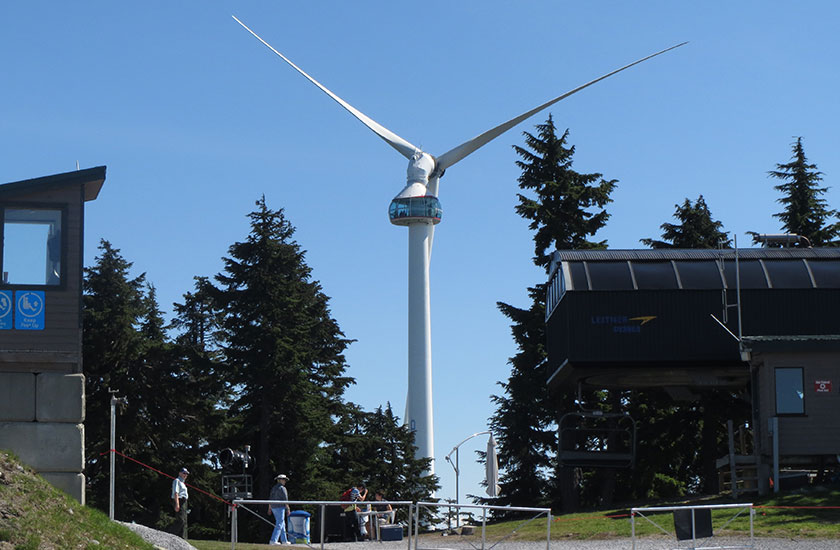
x=610 y=275
x=654 y=275
x=31 y=246
x=826 y=273
x=790 y=391
x=788 y=273
x=578 y=276
x=752 y=274
x=699 y=274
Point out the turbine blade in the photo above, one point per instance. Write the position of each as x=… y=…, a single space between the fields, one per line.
x=451 y=157
x=405 y=148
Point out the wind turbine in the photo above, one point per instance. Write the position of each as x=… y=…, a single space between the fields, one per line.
x=417 y=207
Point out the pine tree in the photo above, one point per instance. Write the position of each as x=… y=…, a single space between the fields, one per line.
x=696 y=229
x=377 y=449
x=695 y=451
x=172 y=405
x=284 y=353
x=566 y=210
x=805 y=212
x=112 y=309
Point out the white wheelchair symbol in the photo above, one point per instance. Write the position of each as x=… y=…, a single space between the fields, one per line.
x=30 y=304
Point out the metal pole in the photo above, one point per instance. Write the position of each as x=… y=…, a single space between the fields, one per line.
x=733 y=479
x=548 y=532
x=410 y=515
x=232 y=528
x=693 y=530
x=776 y=481
x=483 y=525
x=738 y=290
x=323 y=517
x=457 y=491
x=633 y=528
x=113 y=447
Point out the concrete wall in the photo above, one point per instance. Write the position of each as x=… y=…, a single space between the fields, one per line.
x=41 y=419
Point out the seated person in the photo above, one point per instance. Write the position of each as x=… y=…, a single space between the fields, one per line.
x=382 y=517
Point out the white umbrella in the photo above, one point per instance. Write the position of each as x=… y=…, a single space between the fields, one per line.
x=492 y=468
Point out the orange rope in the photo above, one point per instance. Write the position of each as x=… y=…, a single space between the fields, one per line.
x=167 y=475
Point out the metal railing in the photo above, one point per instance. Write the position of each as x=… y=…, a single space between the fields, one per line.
x=436 y=505
x=322 y=504
x=738 y=507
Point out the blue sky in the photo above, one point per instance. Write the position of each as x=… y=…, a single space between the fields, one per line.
x=195 y=120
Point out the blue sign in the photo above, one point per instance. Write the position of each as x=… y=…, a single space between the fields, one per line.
x=6 y=310
x=29 y=309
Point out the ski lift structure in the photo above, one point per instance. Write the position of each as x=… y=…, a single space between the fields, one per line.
x=596 y=439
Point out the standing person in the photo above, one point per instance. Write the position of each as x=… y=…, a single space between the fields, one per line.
x=359 y=494
x=180 y=495
x=278 y=492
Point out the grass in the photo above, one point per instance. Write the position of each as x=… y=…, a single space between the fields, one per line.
x=797 y=517
x=36 y=516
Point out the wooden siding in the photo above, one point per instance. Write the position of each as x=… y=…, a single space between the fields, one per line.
x=817 y=432
x=57 y=348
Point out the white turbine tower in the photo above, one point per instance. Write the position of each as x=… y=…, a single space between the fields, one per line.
x=417 y=207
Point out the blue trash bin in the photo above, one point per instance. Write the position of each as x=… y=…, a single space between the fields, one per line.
x=299 y=527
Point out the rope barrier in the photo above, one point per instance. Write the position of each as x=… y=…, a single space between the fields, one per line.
x=167 y=475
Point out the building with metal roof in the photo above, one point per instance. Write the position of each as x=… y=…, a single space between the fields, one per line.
x=764 y=319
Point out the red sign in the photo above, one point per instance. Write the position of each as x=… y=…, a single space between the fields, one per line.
x=822 y=386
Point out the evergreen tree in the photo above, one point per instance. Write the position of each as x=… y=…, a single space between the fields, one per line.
x=284 y=353
x=377 y=449
x=696 y=229
x=171 y=409
x=805 y=212
x=561 y=210
x=695 y=451
x=112 y=309
x=565 y=209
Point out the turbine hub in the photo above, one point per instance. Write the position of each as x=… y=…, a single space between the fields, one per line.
x=420 y=167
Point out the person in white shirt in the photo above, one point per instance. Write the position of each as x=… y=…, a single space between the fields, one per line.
x=180 y=495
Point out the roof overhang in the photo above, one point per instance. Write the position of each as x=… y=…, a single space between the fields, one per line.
x=91 y=179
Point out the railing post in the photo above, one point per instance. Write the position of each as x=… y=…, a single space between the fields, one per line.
x=548 y=533
x=233 y=527
x=483 y=525
x=323 y=523
x=410 y=515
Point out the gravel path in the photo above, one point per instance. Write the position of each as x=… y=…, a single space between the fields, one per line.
x=647 y=543
x=167 y=541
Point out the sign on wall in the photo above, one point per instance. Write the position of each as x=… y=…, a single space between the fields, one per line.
x=29 y=309
x=6 y=307
x=822 y=386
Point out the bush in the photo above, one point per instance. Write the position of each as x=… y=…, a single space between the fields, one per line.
x=664 y=486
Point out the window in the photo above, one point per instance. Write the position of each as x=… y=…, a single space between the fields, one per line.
x=578 y=273
x=826 y=273
x=610 y=275
x=699 y=274
x=752 y=274
x=655 y=275
x=790 y=391
x=31 y=246
x=788 y=273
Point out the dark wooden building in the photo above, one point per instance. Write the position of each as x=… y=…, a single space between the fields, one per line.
x=669 y=318
x=42 y=405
